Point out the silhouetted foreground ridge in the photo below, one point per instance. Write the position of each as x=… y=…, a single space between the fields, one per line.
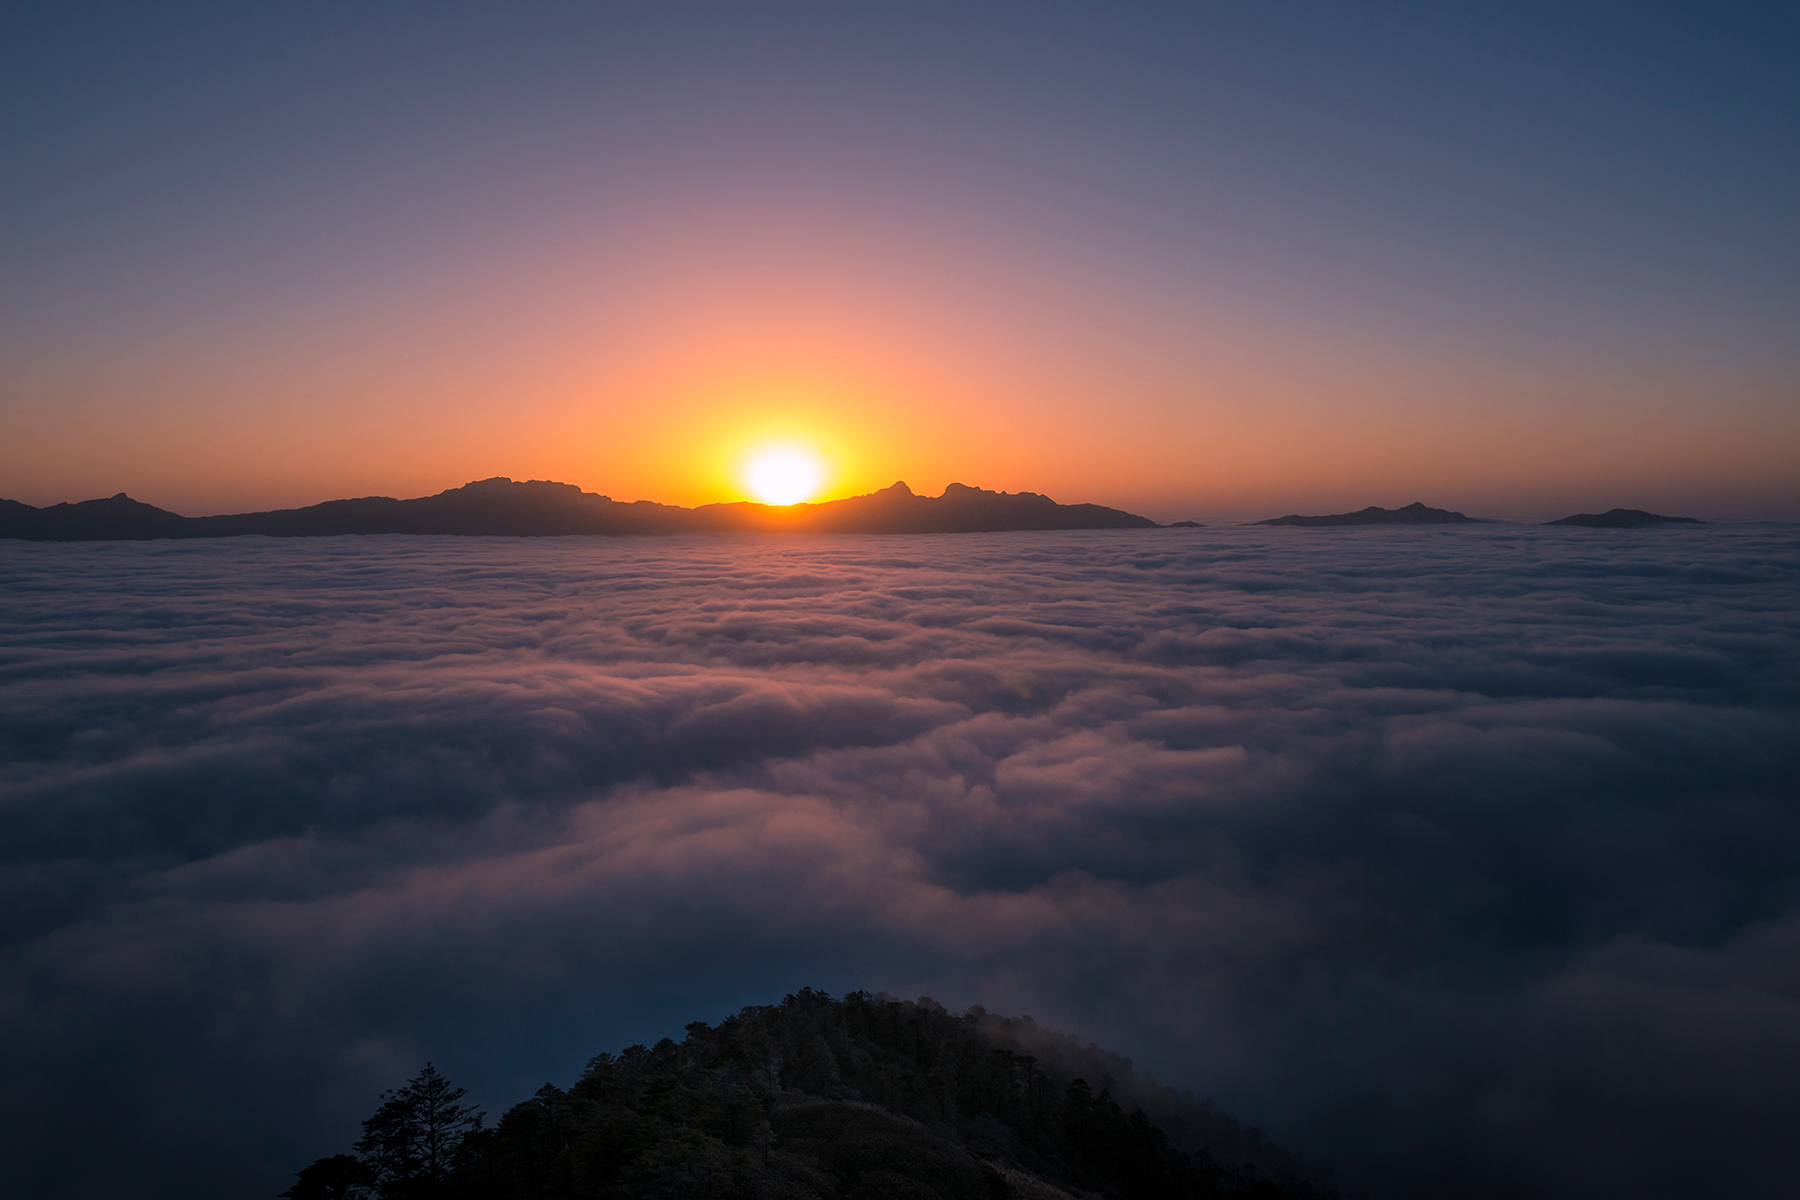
x=867 y=1097
x=1624 y=518
x=539 y=508
x=1415 y=513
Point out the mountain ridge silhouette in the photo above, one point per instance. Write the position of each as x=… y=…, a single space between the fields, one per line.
x=1416 y=513
x=1623 y=518
x=503 y=507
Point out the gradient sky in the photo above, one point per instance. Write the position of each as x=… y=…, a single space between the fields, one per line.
x=1515 y=259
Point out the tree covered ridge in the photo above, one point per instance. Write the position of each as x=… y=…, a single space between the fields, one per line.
x=864 y=1098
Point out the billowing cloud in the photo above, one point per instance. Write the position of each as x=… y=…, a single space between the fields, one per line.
x=1464 y=857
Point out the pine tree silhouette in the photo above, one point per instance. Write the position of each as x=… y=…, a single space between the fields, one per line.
x=408 y=1149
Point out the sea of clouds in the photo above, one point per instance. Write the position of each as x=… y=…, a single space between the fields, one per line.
x=1465 y=857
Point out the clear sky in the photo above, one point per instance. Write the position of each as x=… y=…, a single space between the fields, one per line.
x=1187 y=259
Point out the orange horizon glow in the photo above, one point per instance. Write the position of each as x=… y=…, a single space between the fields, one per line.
x=635 y=291
x=929 y=359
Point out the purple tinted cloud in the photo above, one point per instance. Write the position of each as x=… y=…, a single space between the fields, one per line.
x=1464 y=857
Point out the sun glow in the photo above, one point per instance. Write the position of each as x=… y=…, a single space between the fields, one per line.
x=783 y=477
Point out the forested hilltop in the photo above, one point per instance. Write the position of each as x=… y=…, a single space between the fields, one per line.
x=868 y=1097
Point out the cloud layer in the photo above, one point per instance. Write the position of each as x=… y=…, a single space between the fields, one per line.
x=1466 y=857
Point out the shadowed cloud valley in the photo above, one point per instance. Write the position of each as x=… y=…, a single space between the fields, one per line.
x=1459 y=855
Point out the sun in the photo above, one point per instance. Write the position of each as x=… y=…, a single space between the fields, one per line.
x=783 y=477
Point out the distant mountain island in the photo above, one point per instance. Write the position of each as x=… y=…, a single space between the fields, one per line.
x=539 y=508
x=865 y=1098
x=1413 y=514
x=1624 y=518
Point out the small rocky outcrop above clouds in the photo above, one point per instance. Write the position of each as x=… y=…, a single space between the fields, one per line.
x=1413 y=514
x=1624 y=518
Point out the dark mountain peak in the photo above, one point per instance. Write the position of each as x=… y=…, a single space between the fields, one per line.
x=897 y=490
x=962 y=493
x=116 y=516
x=501 y=485
x=1416 y=513
x=830 y=1099
x=482 y=487
x=1624 y=518
x=117 y=502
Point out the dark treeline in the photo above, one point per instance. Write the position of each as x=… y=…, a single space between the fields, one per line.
x=862 y=1098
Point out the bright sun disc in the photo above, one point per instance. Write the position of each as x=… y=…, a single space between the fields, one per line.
x=783 y=477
